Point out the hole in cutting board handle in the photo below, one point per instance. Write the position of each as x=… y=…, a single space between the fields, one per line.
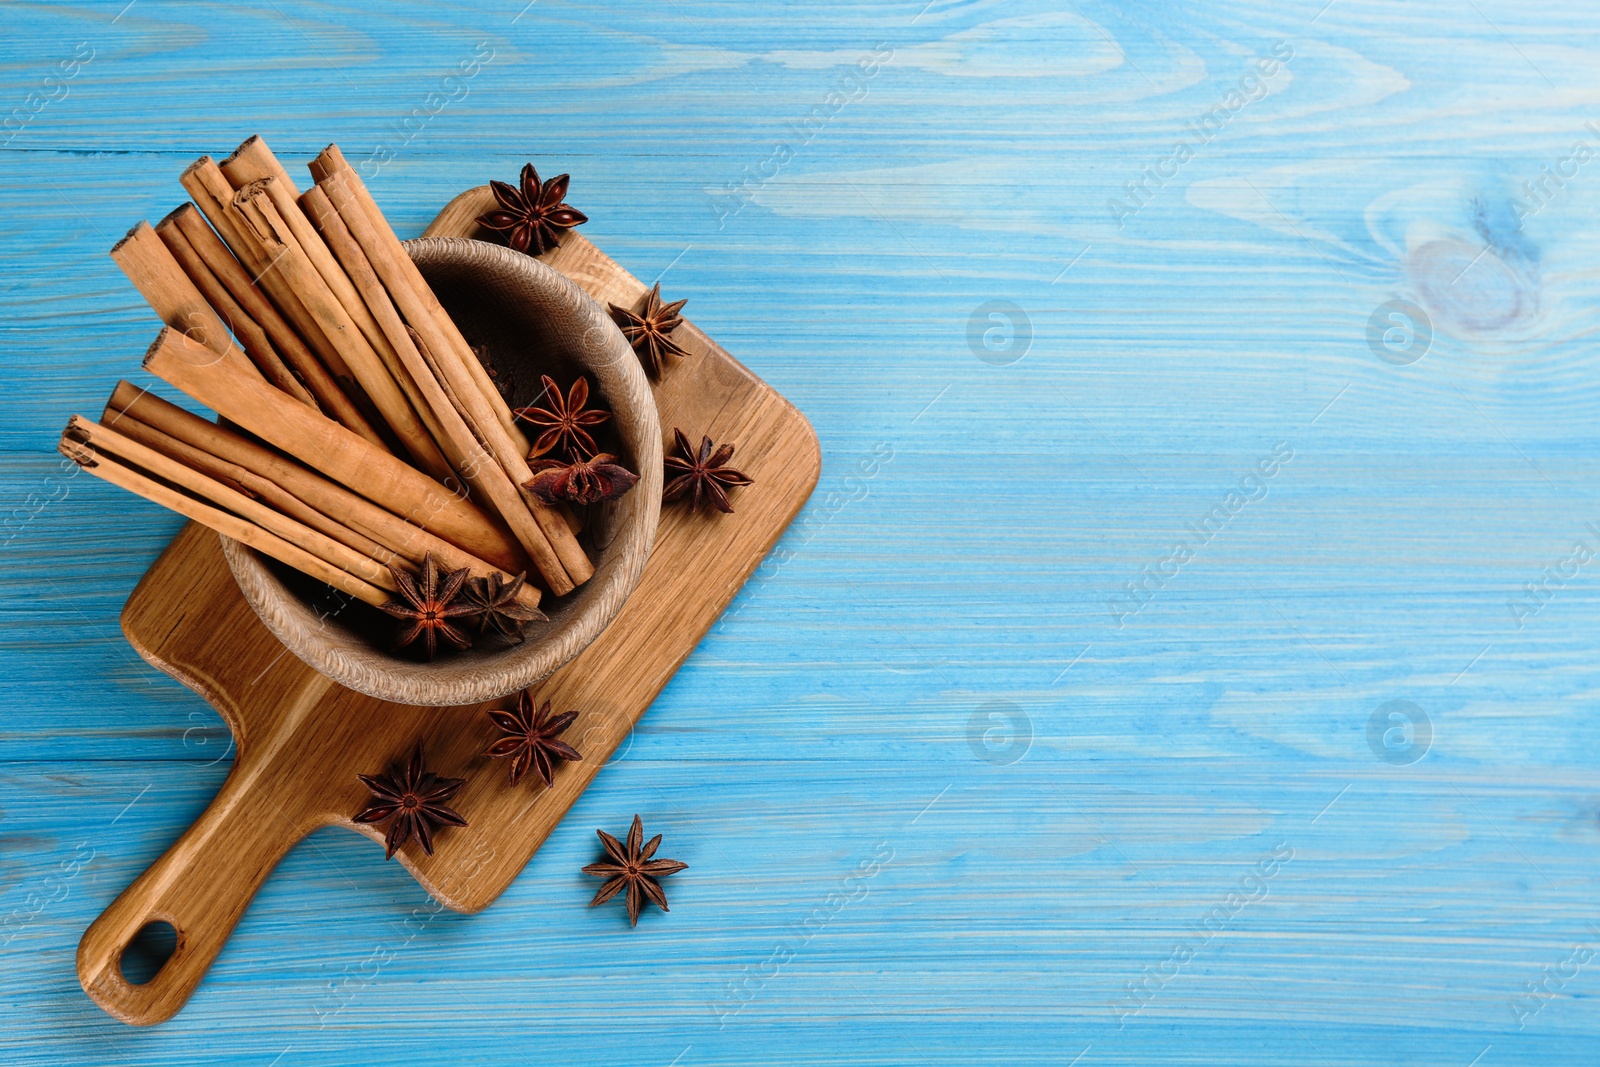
x=148 y=952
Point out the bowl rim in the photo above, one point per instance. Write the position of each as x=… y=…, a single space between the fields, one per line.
x=619 y=377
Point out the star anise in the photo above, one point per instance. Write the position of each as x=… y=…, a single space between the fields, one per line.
x=701 y=474
x=584 y=481
x=647 y=329
x=530 y=738
x=564 y=420
x=634 y=869
x=532 y=218
x=494 y=601
x=411 y=799
x=428 y=605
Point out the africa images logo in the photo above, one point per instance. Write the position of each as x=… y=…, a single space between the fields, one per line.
x=1137 y=592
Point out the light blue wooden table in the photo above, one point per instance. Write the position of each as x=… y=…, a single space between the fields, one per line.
x=1189 y=656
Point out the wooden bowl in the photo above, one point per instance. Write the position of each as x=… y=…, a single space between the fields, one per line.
x=533 y=321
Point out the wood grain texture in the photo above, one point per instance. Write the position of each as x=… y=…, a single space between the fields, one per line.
x=832 y=703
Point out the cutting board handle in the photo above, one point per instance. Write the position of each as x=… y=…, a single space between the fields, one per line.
x=201 y=885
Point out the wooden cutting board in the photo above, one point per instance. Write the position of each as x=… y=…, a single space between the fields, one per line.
x=302 y=739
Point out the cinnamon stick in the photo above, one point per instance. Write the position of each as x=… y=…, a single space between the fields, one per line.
x=331 y=161
x=460 y=445
x=485 y=401
x=153 y=270
x=493 y=481
x=423 y=312
x=289 y=258
x=248 y=483
x=242 y=530
x=107 y=441
x=314 y=205
x=251 y=337
x=214 y=197
x=253 y=161
x=318 y=381
x=185 y=436
x=323 y=444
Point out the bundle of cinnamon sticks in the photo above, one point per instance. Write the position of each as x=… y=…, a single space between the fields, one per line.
x=359 y=431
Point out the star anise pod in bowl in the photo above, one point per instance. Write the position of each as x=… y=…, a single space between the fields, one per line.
x=429 y=602
x=494 y=602
x=532 y=218
x=583 y=481
x=565 y=420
